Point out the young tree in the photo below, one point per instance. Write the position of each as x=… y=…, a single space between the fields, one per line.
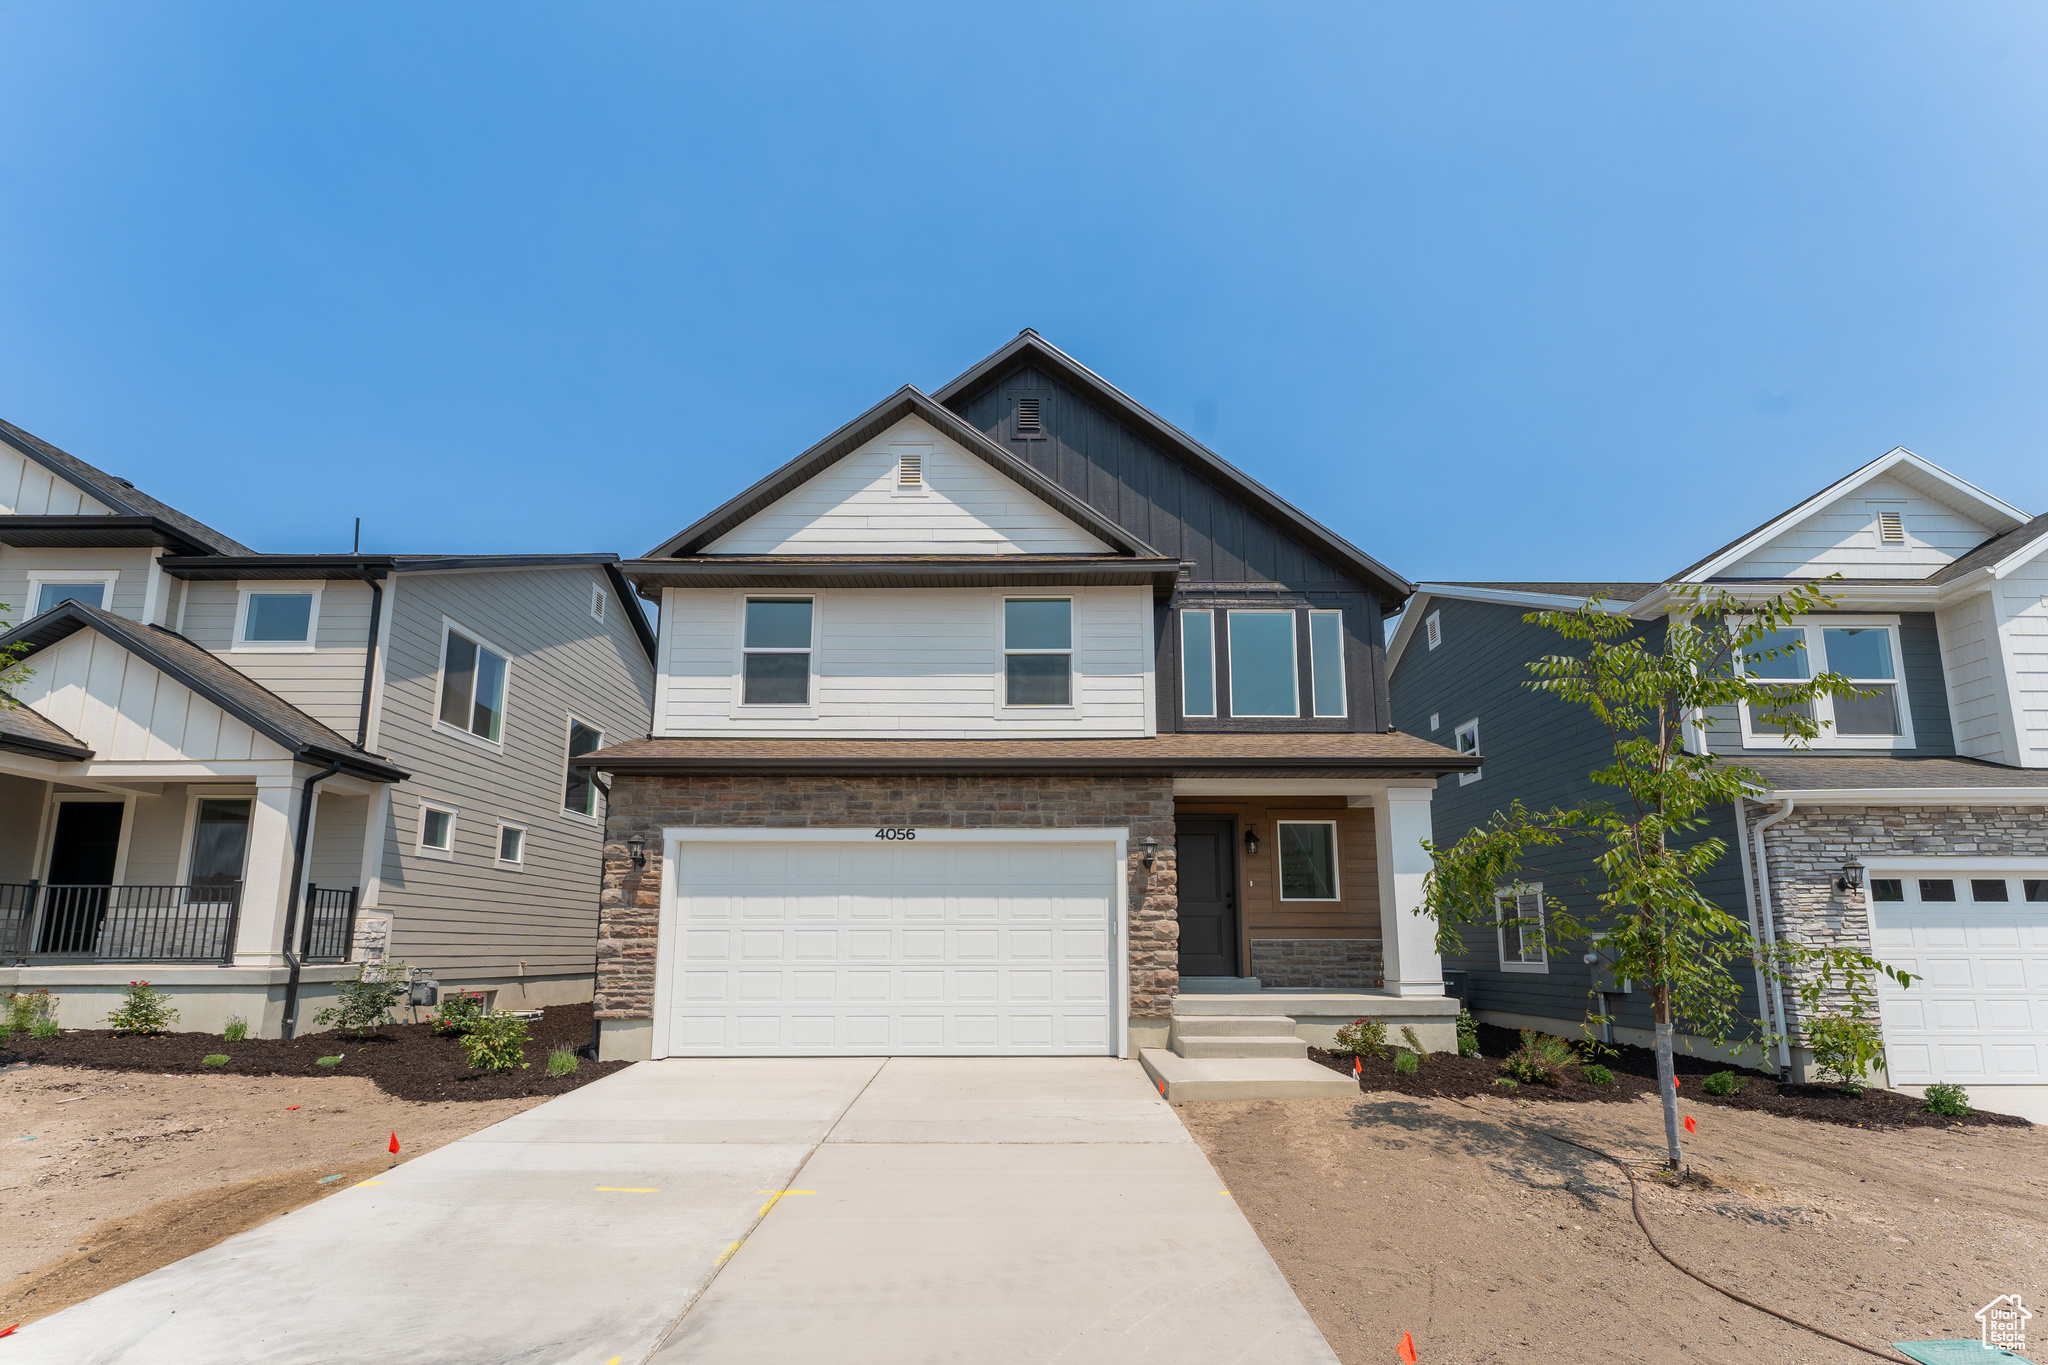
x=1644 y=846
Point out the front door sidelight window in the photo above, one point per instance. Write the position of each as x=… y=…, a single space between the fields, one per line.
x=777 y=650
x=1038 y=651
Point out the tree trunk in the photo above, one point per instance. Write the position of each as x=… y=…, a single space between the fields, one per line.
x=1667 y=1077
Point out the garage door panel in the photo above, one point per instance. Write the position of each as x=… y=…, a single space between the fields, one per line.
x=1979 y=1012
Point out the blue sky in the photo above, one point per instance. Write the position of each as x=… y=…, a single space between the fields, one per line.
x=1496 y=290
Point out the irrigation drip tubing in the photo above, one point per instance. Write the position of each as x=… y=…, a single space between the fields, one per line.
x=1635 y=1206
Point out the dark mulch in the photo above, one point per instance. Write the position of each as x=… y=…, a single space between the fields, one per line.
x=1635 y=1073
x=405 y=1060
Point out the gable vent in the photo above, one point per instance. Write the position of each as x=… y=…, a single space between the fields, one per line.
x=1027 y=415
x=1434 y=628
x=910 y=469
x=1891 y=528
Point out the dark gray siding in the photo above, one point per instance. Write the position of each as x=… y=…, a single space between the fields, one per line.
x=1538 y=749
x=1926 y=700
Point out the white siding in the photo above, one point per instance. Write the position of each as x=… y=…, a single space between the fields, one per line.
x=1842 y=538
x=900 y=663
x=21 y=821
x=127 y=711
x=2023 y=608
x=29 y=490
x=130 y=590
x=326 y=682
x=156 y=836
x=1976 y=683
x=853 y=508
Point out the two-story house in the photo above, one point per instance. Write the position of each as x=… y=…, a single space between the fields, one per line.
x=1915 y=827
x=233 y=773
x=1008 y=720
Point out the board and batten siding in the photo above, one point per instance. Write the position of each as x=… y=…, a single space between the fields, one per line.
x=855 y=507
x=126 y=710
x=924 y=663
x=27 y=489
x=130 y=590
x=1842 y=538
x=467 y=918
x=325 y=682
x=1927 y=700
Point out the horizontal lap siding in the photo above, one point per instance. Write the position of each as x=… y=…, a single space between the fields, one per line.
x=468 y=914
x=327 y=682
x=130 y=590
x=1841 y=538
x=1927 y=701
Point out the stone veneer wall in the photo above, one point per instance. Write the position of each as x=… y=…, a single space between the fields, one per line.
x=643 y=804
x=1808 y=847
x=1322 y=963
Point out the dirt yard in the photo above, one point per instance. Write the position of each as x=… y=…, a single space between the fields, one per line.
x=107 y=1175
x=1398 y=1213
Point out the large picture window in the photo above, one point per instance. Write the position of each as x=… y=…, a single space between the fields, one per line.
x=472 y=687
x=776 y=646
x=1038 y=651
x=1198 y=663
x=1866 y=652
x=1308 y=860
x=1263 y=669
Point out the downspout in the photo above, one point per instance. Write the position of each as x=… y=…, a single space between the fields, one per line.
x=291 y=909
x=369 y=658
x=1763 y=895
x=1763 y=990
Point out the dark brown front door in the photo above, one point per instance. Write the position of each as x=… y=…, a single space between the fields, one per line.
x=1204 y=856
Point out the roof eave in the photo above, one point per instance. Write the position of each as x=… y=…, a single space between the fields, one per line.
x=1378 y=767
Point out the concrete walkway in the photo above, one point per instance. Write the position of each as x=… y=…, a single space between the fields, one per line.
x=989 y=1210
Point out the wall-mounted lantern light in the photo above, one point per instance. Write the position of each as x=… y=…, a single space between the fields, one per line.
x=1852 y=876
x=637 y=847
x=1251 y=842
x=1151 y=846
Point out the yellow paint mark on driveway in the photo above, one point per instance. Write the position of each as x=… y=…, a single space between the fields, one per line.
x=726 y=1254
x=773 y=1196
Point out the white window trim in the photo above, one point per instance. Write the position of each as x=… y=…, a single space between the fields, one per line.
x=1336 y=866
x=1504 y=900
x=193 y=796
x=597 y=596
x=1215 y=687
x=496 y=746
x=1293 y=661
x=1343 y=674
x=282 y=588
x=1029 y=710
x=741 y=707
x=419 y=833
x=107 y=578
x=1467 y=779
x=1433 y=628
x=596 y=815
x=1824 y=707
x=498 y=846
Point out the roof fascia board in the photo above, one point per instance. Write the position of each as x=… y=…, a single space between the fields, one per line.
x=1206 y=460
x=166 y=533
x=65 y=753
x=1906 y=595
x=1404 y=629
x=1546 y=601
x=865 y=763
x=1908 y=796
x=630 y=601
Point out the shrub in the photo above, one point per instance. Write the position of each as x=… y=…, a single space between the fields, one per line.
x=1846 y=1046
x=1406 y=1063
x=143 y=1009
x=1951 y=1101
x=458 y=1012
x=562 y=1061
x=1363 y=1036
x=327 y=1061
x=216 y=1059
x=1468 y=1034
x=1507 y=1082
x=365 y=1003
x=496 y=1042
x=1596 y=1074
x=237 y=1029
x=1723 y=1083
x=43 y=1028
x=26 y=1009
x=1542 y=1059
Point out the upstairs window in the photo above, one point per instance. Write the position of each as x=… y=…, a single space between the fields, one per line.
x=1865 y=652
x=1198 y=663
x=277 y=618
x=776 y=649
x=1468 y=743
x=1038 y=651
x=579 y=793
x=472 y=687
x=1326 y=662
x=1263 y=668
x=54 y=592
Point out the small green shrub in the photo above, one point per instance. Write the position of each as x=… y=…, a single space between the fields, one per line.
x=1414 y=1042
x=1542 y=1059
x=144 y=1009
x=327 y=1061
x=1468 y=1034
x=365 y=1003
x=496 y=1042
x=26 y=1009
x=1723 y=1083
x=1846 y=1046
x=1406 y=1063
x=458 y=1012
x=562 y=1061
x=216 y=1059
x=1507 y=1082
x=43 y=1028
x=1363 y=1036
x=237 y=1029
x=1596 y=1074
x=1950 y=1101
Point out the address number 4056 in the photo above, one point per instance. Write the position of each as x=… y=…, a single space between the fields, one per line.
x=893 y=832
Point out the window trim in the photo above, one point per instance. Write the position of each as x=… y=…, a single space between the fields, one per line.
x=1433 y=628
x=1343 y=711
x=517 y=864
x=740 y=705
x=1824 y=707
x=196 y=793
x=1294 y=629
x=247 y=589
x=420 y=846
x=1336 y=867
x=1467 y=779
x=38 y=578
x=1505 y=896
x=595 y=815
x=1004 y=706
x=496 y=746
x=1215 y=684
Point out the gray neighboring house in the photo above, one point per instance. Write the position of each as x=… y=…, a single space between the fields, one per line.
x=1916 y=828
x=213 y=743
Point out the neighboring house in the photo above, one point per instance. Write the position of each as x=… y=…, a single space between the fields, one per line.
x=993 y=722
x=1915 y=827
x=214 y=743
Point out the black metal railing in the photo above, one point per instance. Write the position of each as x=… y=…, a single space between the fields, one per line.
x=188 y=923
x=330 y=924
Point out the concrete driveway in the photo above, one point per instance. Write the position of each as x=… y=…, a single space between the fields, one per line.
x=742 y=1210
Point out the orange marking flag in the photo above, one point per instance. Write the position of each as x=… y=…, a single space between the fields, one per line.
x=1406 y=1350
x=1690 y=1126
x=394 y=1144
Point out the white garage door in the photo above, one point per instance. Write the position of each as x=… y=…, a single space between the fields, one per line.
x=1980 y=944
x=867 y=947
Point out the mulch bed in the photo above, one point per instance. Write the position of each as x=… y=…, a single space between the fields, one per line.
x=405 y=1060
x=1635 y=1073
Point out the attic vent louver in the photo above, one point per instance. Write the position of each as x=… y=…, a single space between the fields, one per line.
x=1891 y=528
x=1027 y=415
x=910 y=469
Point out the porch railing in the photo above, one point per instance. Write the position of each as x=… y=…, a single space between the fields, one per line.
x=330 y=924
x=188 y=923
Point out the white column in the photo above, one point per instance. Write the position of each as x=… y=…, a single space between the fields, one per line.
x=1407 y=939
x=260 y=940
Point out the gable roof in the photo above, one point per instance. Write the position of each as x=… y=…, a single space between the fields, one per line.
x=905 y=402
x=1029 y=347
x=1930 y=477
x=1528 y=596
x=119 y=494
x=232 y=691
x=1993 y=552
x=29 y=731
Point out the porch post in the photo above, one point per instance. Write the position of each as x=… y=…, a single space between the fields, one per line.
x=260 y=941
x=1407 y=939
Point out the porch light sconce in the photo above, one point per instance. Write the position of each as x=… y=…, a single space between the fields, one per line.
x=1251 y=842
x=1852 y=876
x=637 y=847
x=1150 y=846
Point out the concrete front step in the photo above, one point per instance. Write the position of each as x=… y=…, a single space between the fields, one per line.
x=1316 y=1004
x=1289 y=1046
x=1232 y=1025
x=1182 y=1079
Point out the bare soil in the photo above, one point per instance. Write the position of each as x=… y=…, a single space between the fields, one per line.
x=1440 y=1217
x=107 y=1175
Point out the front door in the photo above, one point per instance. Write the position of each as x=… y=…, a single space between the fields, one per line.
x=1204 y=852
x=82 y=855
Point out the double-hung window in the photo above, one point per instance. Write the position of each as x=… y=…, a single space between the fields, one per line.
x=1038 y=651
x=1263 y=669
x=1518 y=920
x=1864 y=651
x=472 y=686
x=776 y=652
